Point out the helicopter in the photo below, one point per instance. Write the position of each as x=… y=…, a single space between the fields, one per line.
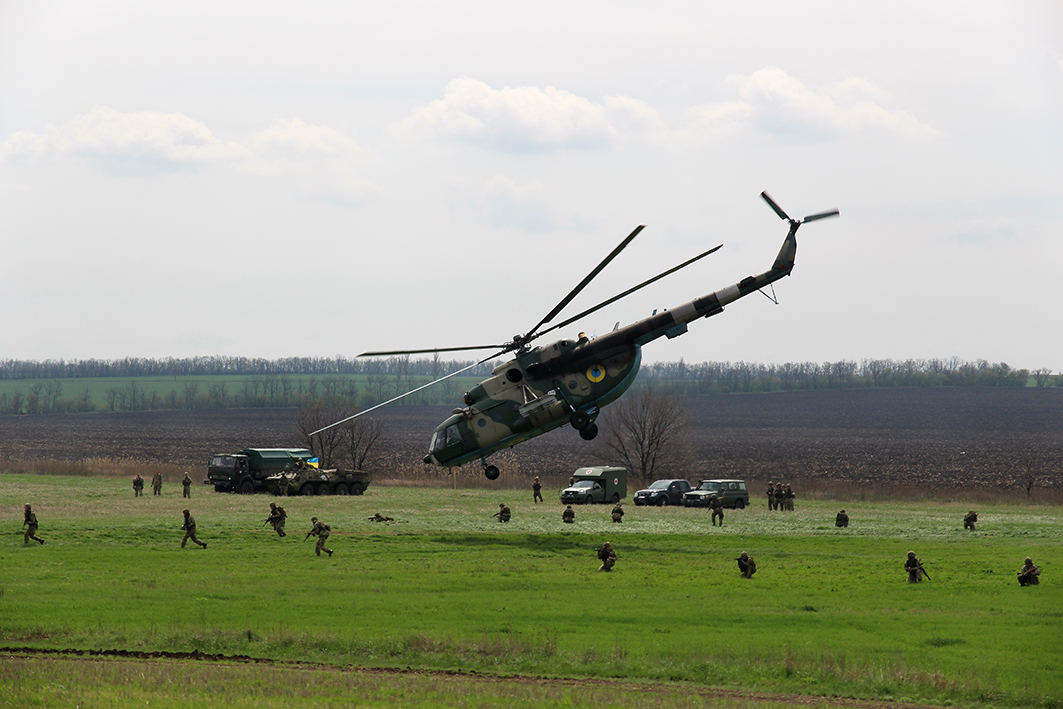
x=567 y=382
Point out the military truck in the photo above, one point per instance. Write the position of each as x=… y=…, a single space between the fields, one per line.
x=246 y=471
x=308 y=480
x=599 y=484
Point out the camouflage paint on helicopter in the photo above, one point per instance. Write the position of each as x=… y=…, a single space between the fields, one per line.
x=569 y=381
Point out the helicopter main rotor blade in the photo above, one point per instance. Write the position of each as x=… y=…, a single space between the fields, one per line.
x=402 y=396
x=629 y=291
x=434 y=349
x=777 y=208
x=821 y=215
x=583 y=284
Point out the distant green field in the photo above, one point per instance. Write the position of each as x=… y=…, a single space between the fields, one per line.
x=447 y=587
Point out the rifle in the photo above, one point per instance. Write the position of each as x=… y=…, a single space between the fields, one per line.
x=925 y=573
x=268 y=520
x=307 y=535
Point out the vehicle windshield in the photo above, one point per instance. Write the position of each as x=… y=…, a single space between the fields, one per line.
x=584 y=483
x=661 y=485
x=223 y=461
x=711 y=487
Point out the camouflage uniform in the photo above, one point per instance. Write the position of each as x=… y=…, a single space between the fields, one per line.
x=537 y=491
x=190 y=530
x=842 y=520
x=789 y=496
x=608 y=557
x=618 y=513
x=381 y=518
x=771 y=496
x=969 y=519
x=30 y=523
x=569 y=515
x=1028 y=574
x=156 y=483
x=746 y=565
x=717 y=509
x=277 y=517
x=779 y=493
x=187 y=483
x=321 y=531
x=914 y=567
x=138 y=486
x=503 y=513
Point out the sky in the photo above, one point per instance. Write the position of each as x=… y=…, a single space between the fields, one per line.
x=273 y=179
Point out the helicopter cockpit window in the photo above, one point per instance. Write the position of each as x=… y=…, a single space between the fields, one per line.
x=453 y=436
x=439 y=441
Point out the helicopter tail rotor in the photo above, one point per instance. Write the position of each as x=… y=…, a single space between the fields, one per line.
x=794 y=223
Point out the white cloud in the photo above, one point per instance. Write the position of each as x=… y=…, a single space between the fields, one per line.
x=525 y=207
x=528 y=119
x=296 y=138
x=782 y=105
x=140 y=141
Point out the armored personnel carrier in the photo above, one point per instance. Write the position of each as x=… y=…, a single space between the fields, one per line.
x=312 y=481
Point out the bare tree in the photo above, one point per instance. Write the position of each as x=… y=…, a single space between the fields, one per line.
x=645 y=431
x=1029 y=471
x=327 y=445
x=1042 y=376
x=359 y=436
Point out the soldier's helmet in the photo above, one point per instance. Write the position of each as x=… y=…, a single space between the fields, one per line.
x=186 y=512
x=744 y=555
x=842 y=512
x=606 y=545
x=911 y=554
x=1029 y=560
x=27 y=506
x=313 y=519
x=273 y=505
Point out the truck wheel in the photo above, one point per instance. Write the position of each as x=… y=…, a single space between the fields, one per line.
x=306 y=490
x=247 y=487
x=589 y=500
x=740 y=504
x=341 y=489
x=323 y=489
x=357 y=489
x=589 y=433
x=491 y=472
x=662 y=501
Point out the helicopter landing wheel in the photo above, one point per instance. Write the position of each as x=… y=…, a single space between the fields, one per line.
x=491 y=472
x=580 y=420
x=589 y=433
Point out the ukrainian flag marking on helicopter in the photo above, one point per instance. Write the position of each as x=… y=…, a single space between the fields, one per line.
x=596 y=373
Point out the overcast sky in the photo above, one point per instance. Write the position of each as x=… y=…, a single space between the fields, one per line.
x=316 y=179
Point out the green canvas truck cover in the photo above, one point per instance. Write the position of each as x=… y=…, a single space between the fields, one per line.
x=274 y=458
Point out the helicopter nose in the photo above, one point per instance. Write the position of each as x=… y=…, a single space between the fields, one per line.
x=428 y=459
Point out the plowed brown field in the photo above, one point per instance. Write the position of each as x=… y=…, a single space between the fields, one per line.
x=943 y=437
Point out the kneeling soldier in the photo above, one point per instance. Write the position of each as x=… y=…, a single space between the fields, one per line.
x=608 y=557
x=746 y=565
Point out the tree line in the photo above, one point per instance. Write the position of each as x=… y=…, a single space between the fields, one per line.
x=282 y=383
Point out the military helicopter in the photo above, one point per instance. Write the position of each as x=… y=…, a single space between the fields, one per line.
x=569 y=381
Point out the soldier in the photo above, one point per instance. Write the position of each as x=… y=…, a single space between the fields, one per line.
x=1028 y=574
x=381 y=518
x=277 y=517
x=771 y=496
x=569 y=515
x=842 y=520
x=608 y=557
x=190 y=530
x=788 y=496
x=537 y=490
x=187 y=483
x=283 y=486
x=914 y=567
x=321 y=531
x=779 y=493
x=30 y=523
x=746 y=565
x=969 y=519
x=618 y=513
x=138 y=486
x=717 y=509
x=503 y=513
x=156 y=483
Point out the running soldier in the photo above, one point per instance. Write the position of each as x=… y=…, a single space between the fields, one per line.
x=914 y=567
x=1027 y=575
x=187 y=483
x=321 y=531
x=138 y=486
x=717 y=509
x=842 y=520
x=969 y=519
x=537 y=490
x=608 y=557
x=618 y=513
x=190 y=530
x=746 y=565
x=156 y=483
x=569 y=515
x=30 y=523
x=277 y=517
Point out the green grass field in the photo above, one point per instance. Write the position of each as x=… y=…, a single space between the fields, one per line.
x=449 y=588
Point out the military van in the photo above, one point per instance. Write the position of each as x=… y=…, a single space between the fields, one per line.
x=600 y=484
